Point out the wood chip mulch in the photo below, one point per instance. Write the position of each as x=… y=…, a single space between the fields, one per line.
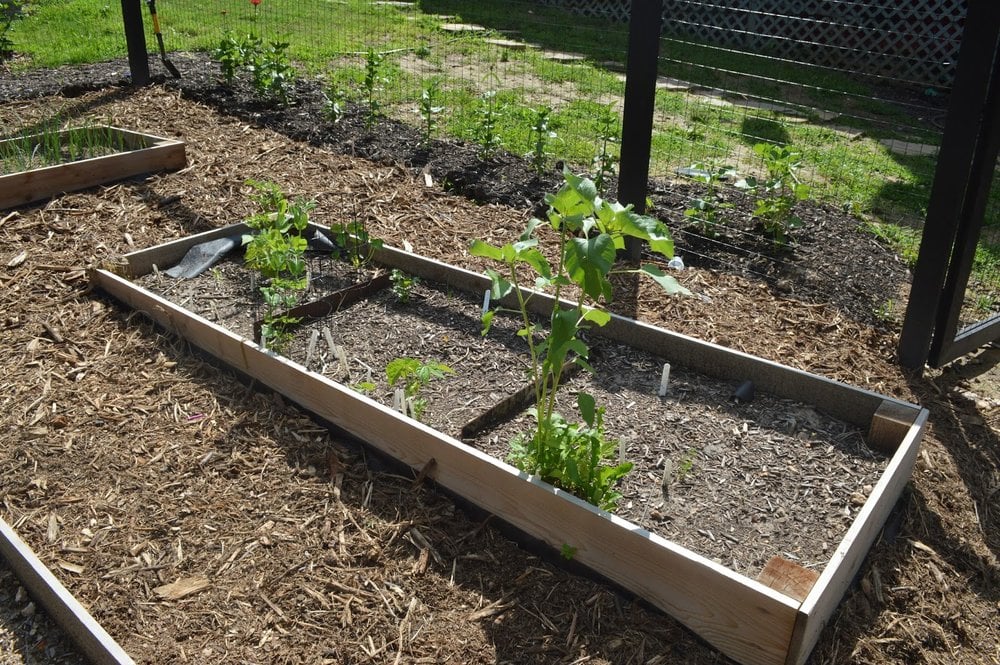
x=203 y=520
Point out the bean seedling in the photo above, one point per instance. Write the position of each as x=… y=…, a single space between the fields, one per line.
x=402 y=284
x=487 y=132
x=373 y=82
x=590 y=232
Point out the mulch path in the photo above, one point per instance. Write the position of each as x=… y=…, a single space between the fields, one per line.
x=130 y=463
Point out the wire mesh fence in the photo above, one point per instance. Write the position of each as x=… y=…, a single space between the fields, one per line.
x=854 y=90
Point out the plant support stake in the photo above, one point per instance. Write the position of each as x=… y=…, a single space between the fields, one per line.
x=665 y=380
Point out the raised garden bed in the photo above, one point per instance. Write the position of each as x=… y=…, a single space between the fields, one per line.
x=118 y=154
x=775 y=618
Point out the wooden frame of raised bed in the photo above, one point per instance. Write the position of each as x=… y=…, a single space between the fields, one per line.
x=144 y=153
x=774 y=619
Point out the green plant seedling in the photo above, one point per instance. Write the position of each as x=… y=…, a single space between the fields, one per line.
x=777 y=195
x=590 y=232
x=353 y=243
x=373 y=83
x=541 y=138
x=414 y=375
x=277 y=251
x=705 y=209
x=567 y=551
x=486 y=132
x=334 y=104
x=605 y=162
x=402 y=284
x=429 y=109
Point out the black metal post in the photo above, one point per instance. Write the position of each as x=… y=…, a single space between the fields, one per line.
x=945 y=345
x=135 y=40
x=959 y=145
x=645 y=24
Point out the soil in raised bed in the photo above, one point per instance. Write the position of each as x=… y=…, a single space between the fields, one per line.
x=228 y=293
x=435 y=324
x=735 y=481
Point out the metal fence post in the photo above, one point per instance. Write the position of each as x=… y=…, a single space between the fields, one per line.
x=959 y=146
x=645 y=23
x=135 y=40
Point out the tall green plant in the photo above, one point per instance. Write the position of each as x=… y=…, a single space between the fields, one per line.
x=541 y=138
x=486 y=131
x=277 y=251
x=429 y=108
x=606 y=160
x=778 y=193
x=589 y=231
x=373 y=83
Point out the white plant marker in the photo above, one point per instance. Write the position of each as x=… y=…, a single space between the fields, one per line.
x=486 y=301
x=311 y=349
x=399 y=401
x=665 y=380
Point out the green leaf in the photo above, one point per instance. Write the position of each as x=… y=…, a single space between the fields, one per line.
x=500 y=286
x=588 y=262
x=585 y=402
x=534 y=258
x=400 y=368
x=486 y=250
x=669 y=284
x=596 y=316
x=487 y=320
x=649 y=229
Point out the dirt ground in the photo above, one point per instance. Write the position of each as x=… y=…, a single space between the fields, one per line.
x=128 y=462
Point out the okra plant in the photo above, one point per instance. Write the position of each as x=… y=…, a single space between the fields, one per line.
x=777 y=195
x=277 y=251
x=272 y=75
x=589 y=231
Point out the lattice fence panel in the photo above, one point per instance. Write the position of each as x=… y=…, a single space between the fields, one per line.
x=915 y=41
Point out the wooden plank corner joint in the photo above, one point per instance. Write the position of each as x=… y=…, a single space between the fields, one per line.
x=788 y=577
x=890 y=424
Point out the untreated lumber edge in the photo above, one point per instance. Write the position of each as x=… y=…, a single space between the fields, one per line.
x=146 y=154
x=88 y=635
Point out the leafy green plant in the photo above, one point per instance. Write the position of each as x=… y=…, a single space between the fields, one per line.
x=272 y=75
x=590 y=232
x=414 y=375
x=705 y=209
x=53 y=145
x=567 y=551
x=231 y=54
x=334 y=103
x=541 y=138
x=352 y=243
x=777 y=195
x=402 y=284
x=429 y=108
x=10 y=10
x=373 y=83
x=486 y=131
x=277 y=251
x=605 y=162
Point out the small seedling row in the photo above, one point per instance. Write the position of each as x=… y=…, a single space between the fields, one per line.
x=127 y=154
x=773 y=618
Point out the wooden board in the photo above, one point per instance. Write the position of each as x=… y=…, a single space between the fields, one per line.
x=745 y=619
x=835 y=579
x=146 y=154
x=50 y=594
